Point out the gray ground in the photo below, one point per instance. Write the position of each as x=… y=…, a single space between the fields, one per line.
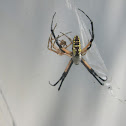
x=26 y=65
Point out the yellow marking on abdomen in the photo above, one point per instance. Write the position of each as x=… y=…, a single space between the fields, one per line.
x=76 y=46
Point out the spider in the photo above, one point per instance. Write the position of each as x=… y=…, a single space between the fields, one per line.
x=76 y=53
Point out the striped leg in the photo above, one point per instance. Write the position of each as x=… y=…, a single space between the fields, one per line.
x=84 y=50
x=63 y=50
x=63 y=75
x=96 y=76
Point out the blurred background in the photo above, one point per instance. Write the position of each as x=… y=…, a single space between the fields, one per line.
x=27 y=66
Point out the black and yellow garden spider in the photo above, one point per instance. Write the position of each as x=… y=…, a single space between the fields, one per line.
x=76 y=53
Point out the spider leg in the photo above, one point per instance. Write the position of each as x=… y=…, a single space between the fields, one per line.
x=64 y=34
x=52 y=31
x=96 y=76
x=84 y=50
x=67 y=36
x=56 y=39
x=63 y=75
x=52 y=47
x=92 y=28
x=71 y=41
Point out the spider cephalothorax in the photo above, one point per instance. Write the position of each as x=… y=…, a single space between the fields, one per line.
x=76 y=53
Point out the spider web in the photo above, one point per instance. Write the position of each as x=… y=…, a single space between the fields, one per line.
x=6 y=118
x=93 y=56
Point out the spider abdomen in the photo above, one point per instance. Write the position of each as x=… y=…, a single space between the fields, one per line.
x=76 y=50
x=76 y=46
